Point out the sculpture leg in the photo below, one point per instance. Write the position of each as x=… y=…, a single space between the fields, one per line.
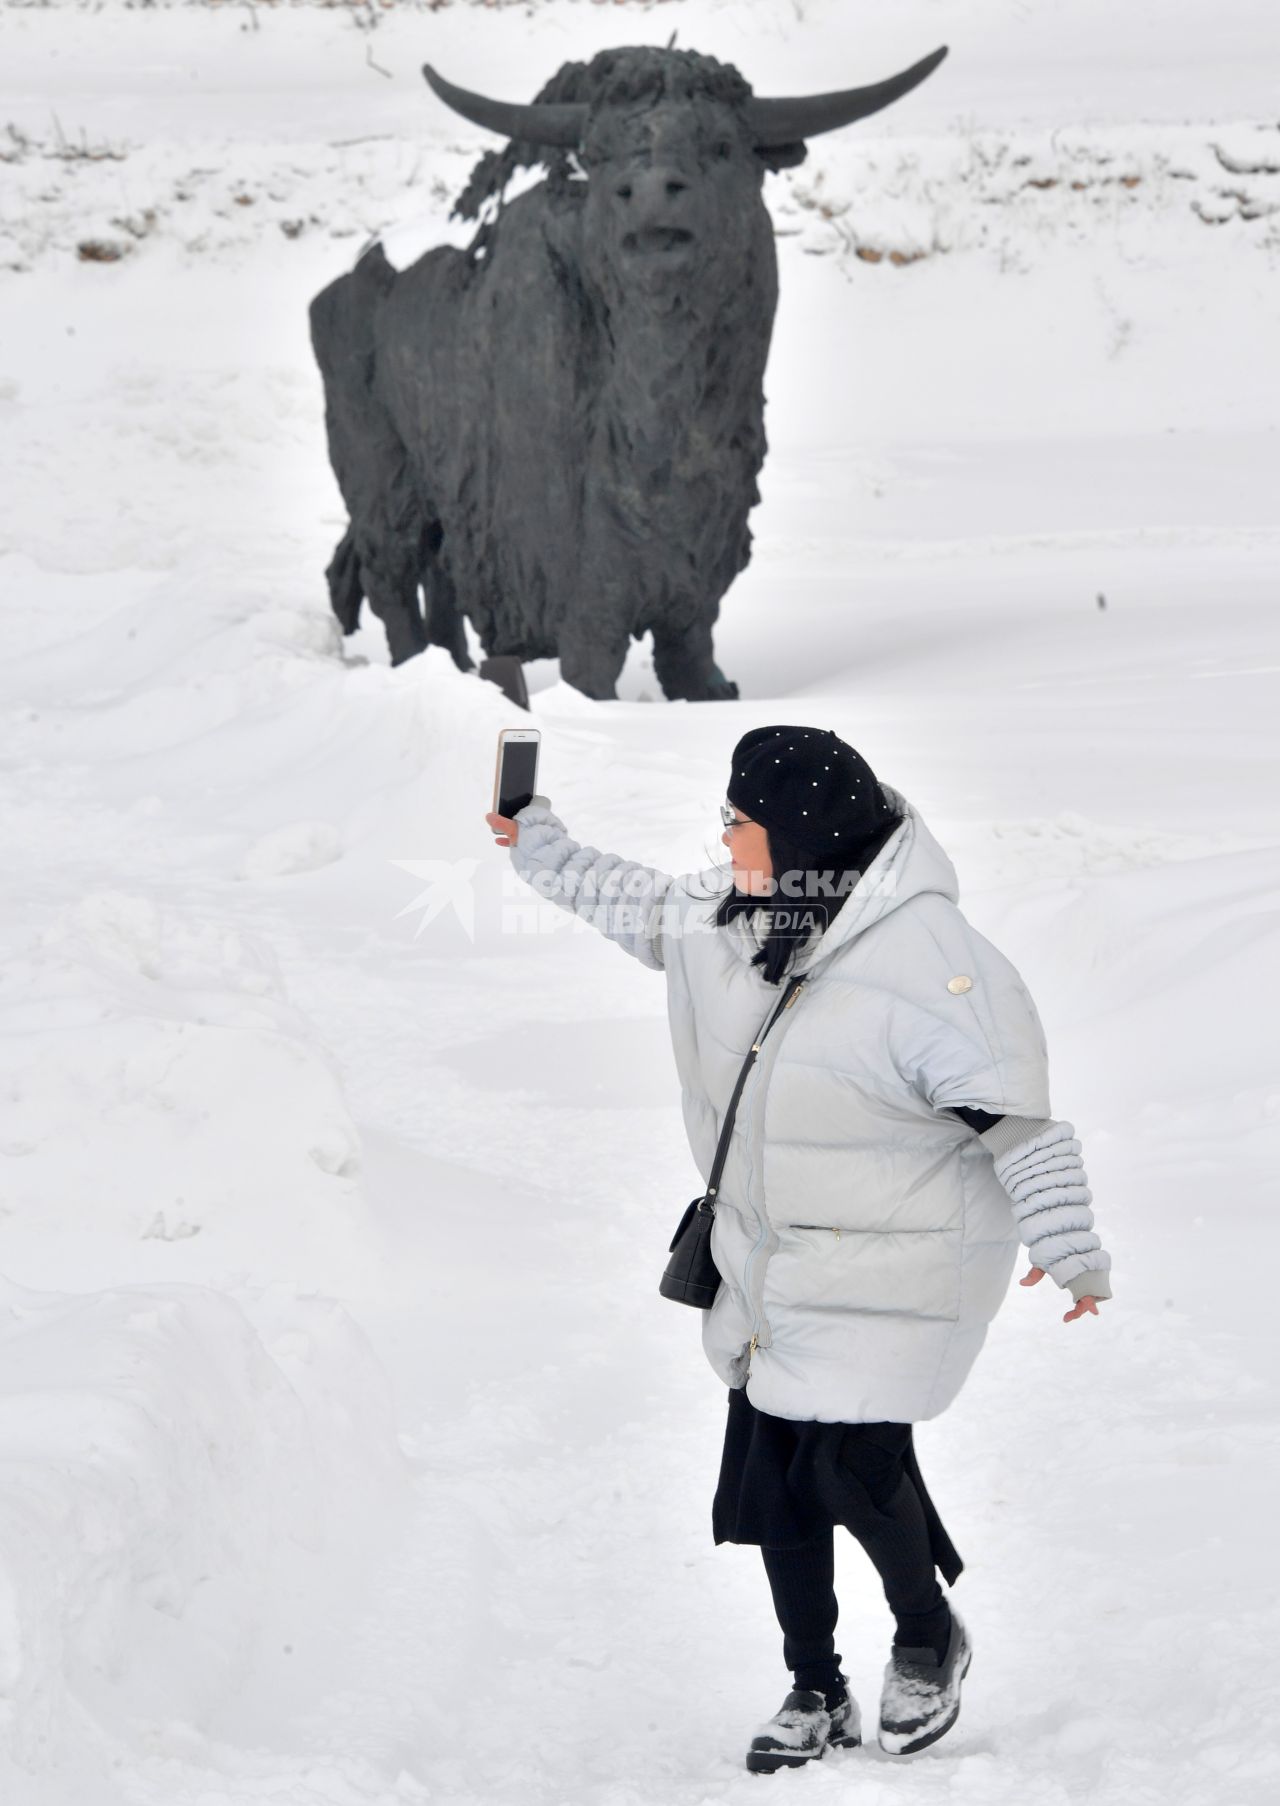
x=444 y=624
x=389 y=580
x=390 y=538
x=381 y=554
x=390 y=572
x=346 y=589
x=592 y=654
x=386 y=544
x=685 y=666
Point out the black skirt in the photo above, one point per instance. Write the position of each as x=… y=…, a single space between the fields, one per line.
x=782 y=1481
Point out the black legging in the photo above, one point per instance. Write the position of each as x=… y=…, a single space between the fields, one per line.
x=803 y=1585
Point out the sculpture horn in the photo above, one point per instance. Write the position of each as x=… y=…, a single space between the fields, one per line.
x=776 y=122
x=560 y=124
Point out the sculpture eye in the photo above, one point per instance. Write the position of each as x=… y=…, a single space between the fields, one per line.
x=724 y=149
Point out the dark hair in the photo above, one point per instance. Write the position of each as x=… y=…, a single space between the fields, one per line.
x=809 y=891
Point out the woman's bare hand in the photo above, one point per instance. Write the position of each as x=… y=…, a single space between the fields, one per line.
x=502 y=825
x=1034 y=1274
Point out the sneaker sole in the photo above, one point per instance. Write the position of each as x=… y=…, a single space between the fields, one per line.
x=768 y=1762
x=940 y=1730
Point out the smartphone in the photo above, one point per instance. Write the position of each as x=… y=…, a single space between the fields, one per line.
x=516 y=778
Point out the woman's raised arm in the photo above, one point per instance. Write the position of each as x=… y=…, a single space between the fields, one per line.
x=620 y=897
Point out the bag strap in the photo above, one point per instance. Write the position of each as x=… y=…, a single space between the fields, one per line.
x=722 y=1150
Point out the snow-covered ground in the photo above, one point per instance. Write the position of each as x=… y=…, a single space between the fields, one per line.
x=348 y=1455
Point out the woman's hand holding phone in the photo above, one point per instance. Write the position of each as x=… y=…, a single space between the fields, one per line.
x=507 y=831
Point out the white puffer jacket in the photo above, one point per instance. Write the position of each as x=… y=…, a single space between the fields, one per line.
x=864 y=1238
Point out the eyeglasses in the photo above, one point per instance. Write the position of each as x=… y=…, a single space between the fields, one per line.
x=731 y=820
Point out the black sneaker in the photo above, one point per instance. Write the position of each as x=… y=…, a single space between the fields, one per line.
x=803 y=1728
x=921 y=1697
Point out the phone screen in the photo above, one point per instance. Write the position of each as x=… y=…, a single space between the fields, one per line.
x=518 y=775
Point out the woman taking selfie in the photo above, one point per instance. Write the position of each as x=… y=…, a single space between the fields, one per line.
x=890 y=1147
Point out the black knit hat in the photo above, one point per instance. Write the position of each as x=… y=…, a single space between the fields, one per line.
x=810 y=786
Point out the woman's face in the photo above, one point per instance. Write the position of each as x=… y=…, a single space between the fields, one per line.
x=748 y=845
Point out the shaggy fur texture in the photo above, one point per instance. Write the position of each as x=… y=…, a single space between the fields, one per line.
x=558 y=431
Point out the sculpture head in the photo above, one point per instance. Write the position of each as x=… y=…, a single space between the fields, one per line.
x=673 y=179
x=674 y=147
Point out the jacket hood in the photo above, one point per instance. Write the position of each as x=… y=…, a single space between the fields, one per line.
x=910 y=863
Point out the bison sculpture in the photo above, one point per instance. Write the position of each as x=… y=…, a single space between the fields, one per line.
x=557 y=432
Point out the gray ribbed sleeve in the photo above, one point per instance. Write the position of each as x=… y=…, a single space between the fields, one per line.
x=1038 y=1162
x=620 y=897
x=1010 y=1130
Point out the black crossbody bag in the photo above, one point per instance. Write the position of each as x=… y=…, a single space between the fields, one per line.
x=692 y=1277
